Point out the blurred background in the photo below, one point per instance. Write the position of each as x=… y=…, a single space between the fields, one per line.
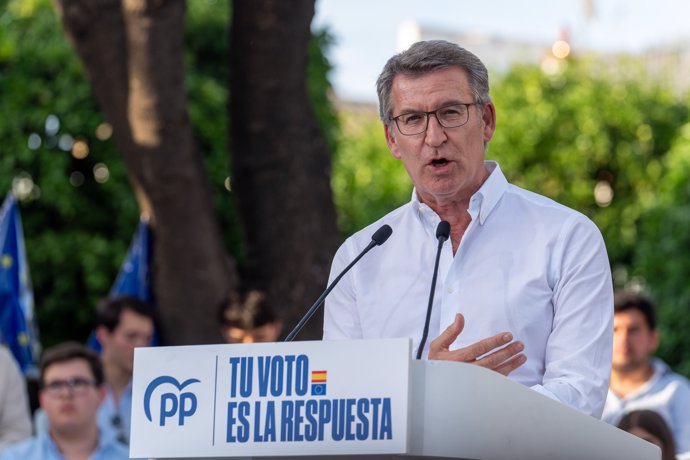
x=245 y=135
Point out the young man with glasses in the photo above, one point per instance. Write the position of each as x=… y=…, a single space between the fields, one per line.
x=122 y=324
x=524 y=287
x=71 y=391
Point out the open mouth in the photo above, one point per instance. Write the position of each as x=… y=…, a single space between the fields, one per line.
x=439 y=162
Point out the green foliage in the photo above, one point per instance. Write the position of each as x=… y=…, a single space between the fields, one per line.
x=76 y=235
x=319 y=87
x=77 y=229
x=566 y=133
x=563 y=135
x=367 y=181
x=661 y=257
x=206 y=61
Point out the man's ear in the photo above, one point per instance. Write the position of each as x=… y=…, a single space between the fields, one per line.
x=101 y=393
x=102 y=334
x=391 y=141
x=488 y=121
x=654 y=341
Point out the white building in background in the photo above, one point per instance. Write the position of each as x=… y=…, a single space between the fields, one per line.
x=669 y=63
x=497 y=53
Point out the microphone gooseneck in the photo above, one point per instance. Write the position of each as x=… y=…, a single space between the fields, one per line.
x=442 y=234
x=377 y=239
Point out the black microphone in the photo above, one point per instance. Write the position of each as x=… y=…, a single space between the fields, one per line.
x=377 y=239
x=442 y=234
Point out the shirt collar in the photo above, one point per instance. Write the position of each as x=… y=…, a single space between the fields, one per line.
x=482 y=202
x=47 y=440
x=491 y=191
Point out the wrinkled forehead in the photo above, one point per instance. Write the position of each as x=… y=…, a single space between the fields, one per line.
x=430 y=89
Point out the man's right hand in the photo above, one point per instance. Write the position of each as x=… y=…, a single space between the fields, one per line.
x=496 y=353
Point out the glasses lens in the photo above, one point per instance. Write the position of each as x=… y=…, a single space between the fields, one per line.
x=76 y=385
x=453 y=116
x=412 y=123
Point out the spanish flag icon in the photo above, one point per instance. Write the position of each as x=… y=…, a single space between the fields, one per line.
x=318 y=383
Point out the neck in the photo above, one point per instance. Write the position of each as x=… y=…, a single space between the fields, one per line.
x=77 y=444
x=454 y=210
x=624 y=382
x=116 y=378
x=455 y=213
x=458 y=226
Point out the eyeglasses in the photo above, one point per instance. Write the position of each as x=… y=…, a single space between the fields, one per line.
x=450 y=116
x=76 y=386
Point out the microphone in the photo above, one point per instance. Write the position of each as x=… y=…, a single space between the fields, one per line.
x=442 y=234
x=377 y=239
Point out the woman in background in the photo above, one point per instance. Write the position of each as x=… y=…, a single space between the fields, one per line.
x=650 y=426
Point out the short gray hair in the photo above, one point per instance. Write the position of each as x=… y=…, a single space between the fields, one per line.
x=425 y=57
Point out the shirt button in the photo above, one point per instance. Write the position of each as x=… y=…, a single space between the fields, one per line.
x=450 y=290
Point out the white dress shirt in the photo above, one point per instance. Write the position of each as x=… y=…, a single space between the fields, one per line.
x=525 y=264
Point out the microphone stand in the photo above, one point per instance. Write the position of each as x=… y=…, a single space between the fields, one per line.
x=442 y=234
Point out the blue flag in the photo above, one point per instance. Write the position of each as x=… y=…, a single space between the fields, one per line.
x=17 y=325
x=134 y=277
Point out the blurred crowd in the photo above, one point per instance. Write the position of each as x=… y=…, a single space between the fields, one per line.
x=81 y=406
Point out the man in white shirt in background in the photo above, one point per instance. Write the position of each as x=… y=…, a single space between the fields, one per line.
x=524 y=286
x=641 y=381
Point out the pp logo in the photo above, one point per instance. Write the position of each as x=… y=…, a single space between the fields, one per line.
x=182 y=404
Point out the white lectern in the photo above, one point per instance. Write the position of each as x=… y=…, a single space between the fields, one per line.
x=362 y=399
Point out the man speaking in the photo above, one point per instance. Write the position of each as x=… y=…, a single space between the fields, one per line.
x=524 y=285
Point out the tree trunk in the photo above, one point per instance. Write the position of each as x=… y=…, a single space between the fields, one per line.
x=133 y=54
x=280 y=160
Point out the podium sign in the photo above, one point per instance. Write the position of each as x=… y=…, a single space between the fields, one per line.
x=271 y=399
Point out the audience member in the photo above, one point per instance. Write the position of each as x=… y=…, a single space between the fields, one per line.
x=651 y=427
x=15 y=420
x=71 y=379
x=247 y=317
x=639 y=381
x=122 y=324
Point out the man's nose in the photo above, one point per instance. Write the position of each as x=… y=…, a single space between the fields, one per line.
x=435 y=133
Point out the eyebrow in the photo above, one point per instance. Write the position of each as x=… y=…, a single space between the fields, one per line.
x=443 y=104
